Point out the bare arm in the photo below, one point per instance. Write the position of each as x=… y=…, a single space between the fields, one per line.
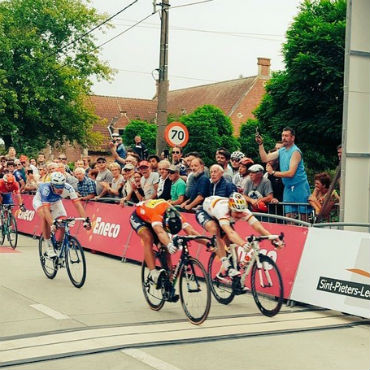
x=198 y=200
x=162 y=235
x=293 y=165
x=79 y=208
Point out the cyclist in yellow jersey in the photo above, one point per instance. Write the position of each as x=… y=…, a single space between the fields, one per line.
x=217 y=217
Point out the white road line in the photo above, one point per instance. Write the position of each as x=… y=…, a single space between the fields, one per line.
x=147 y=359
x=50 y=312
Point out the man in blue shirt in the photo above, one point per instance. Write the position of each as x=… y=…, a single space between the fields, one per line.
x=292 y=172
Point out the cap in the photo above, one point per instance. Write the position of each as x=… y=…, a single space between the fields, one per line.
x=17 y=161
x=129 y=166
x=23 y=158
x=144 y=164
x=256 y=168
x=174 y=168
x=101 y=159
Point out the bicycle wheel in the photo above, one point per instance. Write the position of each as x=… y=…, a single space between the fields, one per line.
x=267 y=286
x=195 y=292
x=153 y=296
x=49 y=265
x=12 y=231
x=75 y=262
x=221 y=284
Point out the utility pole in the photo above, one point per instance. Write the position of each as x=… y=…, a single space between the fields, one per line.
x=162 y=82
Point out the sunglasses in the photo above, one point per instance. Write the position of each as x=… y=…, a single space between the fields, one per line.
x=100 y=162
x=171 y=172
x=127 y=169
x=62 y=159
x=175 y=152
x=143 y=167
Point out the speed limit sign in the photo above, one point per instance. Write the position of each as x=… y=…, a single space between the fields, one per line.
x=176 y=134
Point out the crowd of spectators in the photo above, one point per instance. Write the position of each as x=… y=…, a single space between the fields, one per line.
x=183 y=179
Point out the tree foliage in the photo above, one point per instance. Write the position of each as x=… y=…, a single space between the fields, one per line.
x=47 y=59
x=147 y=131
x=308 y=94
x=209 y=128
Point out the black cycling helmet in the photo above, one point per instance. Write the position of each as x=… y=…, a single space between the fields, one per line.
x=172 y=221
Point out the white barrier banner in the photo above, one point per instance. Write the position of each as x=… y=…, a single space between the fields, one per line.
x=334 y=271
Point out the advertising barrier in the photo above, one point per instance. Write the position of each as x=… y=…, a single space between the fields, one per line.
x=111 y=233
x=334 y=271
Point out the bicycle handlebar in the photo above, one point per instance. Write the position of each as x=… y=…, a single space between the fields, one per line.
x=71 y=219
x=253 y=238
x=184 y=239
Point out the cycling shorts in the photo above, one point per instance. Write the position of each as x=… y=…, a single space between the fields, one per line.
x=56 y=209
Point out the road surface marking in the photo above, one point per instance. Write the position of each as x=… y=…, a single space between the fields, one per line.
x=50 y=312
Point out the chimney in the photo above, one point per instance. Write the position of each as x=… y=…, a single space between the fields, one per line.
x=263 y=68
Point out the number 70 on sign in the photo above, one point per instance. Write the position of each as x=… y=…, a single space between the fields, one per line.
x=176 y=134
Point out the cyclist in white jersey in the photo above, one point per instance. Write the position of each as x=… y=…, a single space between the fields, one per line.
x=217 y=217
x=48 y=204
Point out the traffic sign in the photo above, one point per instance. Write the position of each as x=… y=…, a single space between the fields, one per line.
x=176 y=134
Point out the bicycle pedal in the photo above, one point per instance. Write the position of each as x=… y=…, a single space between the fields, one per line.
x=174 y=298
x=239 y=291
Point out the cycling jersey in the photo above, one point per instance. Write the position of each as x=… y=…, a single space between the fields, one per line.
x=152 y=211
x=218 y=208
x=47 y=196
x=6 y=191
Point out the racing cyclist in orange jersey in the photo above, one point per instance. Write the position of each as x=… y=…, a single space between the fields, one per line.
x=217 y=217
x=153 y=220
x=9 y=186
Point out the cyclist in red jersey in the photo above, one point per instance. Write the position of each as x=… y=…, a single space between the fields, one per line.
x=153 y=220
x=9 y=186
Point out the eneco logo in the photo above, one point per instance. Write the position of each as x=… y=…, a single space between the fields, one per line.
x=106 y=228
x=28 y=215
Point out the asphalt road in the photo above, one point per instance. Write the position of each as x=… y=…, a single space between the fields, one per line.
x=49 y=324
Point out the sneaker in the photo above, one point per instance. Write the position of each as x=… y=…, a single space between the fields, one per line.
x=51 y=252
x=155 y=275
x=233 y=272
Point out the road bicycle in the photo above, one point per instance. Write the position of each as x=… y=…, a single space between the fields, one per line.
x=8 y=225
x=265 y=281
x=69 y=254
x=194 y=288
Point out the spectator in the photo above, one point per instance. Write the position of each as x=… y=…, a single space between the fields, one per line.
x=164 y=183
x=258 y=189
x=241 y=178
x=154 y=160
x=85 y=186
x=3 y=165
x=12 y=154
x=223 y=158
x=63 y=159
x=137 y=193
x=93 y=174
x=276 y=182
x=104 y=175
x=31 y=182
x=43 y=173
x=178 y=186
x=41 y=159
x=79 y=163
x=140 y=148
x=292 y=172
x=235 y=161
x=27 y=165
x=113 y=189
x=178 y=160
x=149 y=180
x=189 y=179
x=317 y=198
x=17 y=170
x=200 y=188
x=70 y=179
x=87 y=162
x=219 y=185
x=128 y=173
x=118 y=150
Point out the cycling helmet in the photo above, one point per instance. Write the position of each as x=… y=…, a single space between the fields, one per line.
x=237 y=155
x=9 y=178
x=58 y=180
x=237 y=202
x=246 y=161
x=172 y=221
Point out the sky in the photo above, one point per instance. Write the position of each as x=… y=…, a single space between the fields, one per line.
x=209 y=41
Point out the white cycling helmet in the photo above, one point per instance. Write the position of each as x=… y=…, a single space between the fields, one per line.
x=58 y=180
x=237 y=155
x=237 y=202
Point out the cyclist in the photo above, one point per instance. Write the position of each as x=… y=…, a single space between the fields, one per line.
x=153 y=220
x=48 y=204
x=9 y=185
x=218 y=216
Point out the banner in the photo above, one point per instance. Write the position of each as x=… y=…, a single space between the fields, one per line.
x=334 y=271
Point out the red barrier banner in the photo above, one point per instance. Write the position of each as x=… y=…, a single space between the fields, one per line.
x=112 y=234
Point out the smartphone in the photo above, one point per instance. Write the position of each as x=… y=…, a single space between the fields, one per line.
x=257 y=131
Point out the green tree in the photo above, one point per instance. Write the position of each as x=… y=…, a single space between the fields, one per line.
x=147 y=131
x=209 y=128
x=308 y=94
x=47 y=59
